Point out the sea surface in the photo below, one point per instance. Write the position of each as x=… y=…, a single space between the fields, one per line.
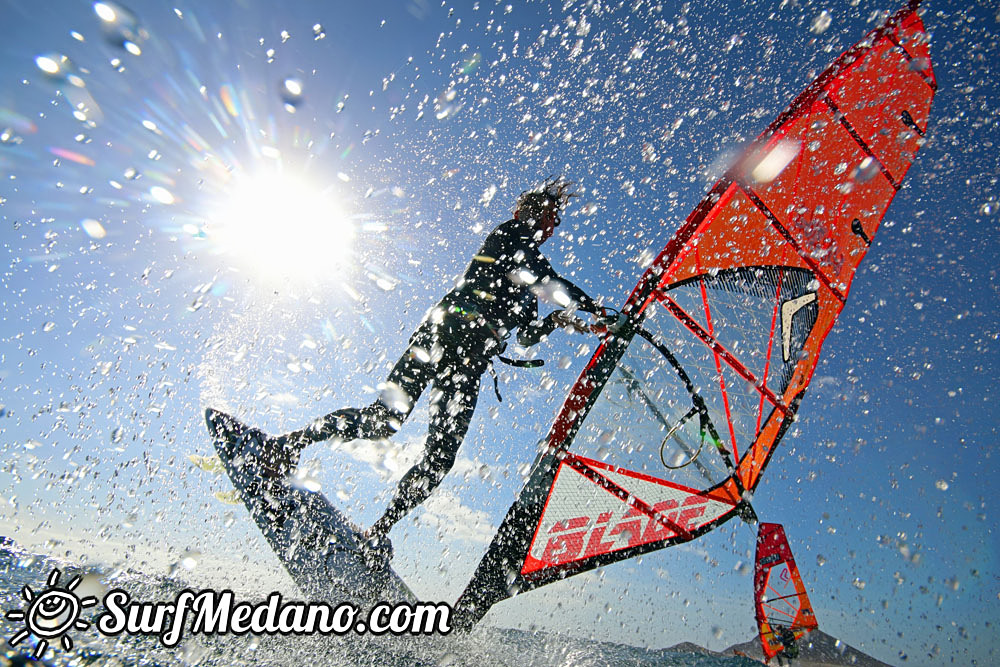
x=483 y=646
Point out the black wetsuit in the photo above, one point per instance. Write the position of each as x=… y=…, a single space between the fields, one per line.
x=790 y=649
x=452 y=348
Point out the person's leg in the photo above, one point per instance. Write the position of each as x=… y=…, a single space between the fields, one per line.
x=418 y=483
x=457 y=388
x=406 y=381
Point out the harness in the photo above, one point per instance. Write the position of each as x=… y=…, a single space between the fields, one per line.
x=501 y=337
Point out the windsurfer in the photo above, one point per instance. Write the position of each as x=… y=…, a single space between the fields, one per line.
x=452 y=348
x=790 y=647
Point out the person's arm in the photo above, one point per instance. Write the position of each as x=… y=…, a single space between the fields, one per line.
x=542 y=270
x=534 y=331
x=582 y=299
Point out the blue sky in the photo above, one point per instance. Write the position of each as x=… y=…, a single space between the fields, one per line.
x=138 y=291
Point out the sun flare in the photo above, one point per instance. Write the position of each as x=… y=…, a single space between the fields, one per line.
x=284 y=227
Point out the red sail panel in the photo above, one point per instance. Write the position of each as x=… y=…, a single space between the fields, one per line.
x=911 y=36
x=887 y=103
x=780 y=600
x=815 y=199
x=594 y=509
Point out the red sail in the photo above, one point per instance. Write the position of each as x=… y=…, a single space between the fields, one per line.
x=780 y=600
x=687 y=402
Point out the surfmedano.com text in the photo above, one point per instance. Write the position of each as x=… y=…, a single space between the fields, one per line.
x=210 y=612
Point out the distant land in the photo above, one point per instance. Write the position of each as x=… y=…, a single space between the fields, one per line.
x=816 y=649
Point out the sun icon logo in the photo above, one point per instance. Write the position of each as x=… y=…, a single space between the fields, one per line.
x=52 y=614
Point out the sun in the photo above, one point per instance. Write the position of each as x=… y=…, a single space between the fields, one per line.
x=281 y=226
x=51 y=614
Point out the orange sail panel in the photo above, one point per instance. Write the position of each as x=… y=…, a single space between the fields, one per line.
x=781 y=604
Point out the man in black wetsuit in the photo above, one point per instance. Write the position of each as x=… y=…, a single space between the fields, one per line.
x=451 y=348
x=790 y=649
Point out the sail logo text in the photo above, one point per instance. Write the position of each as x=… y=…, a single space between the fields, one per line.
x=583 y=537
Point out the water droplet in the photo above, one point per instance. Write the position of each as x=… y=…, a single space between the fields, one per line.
x=105 y=11
x=91 y=585
x=866 y=170
x=189 y=559
x=194 y=653
x=51 y=65
x=821 y=23
x=395 y=397
x=162 y=195
x=309 y=483
x=291 y=93
x=774 y=162
x=59 y=69
x=120 y=26
x=93 y=228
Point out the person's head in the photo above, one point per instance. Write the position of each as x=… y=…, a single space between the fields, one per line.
x=541 y=206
